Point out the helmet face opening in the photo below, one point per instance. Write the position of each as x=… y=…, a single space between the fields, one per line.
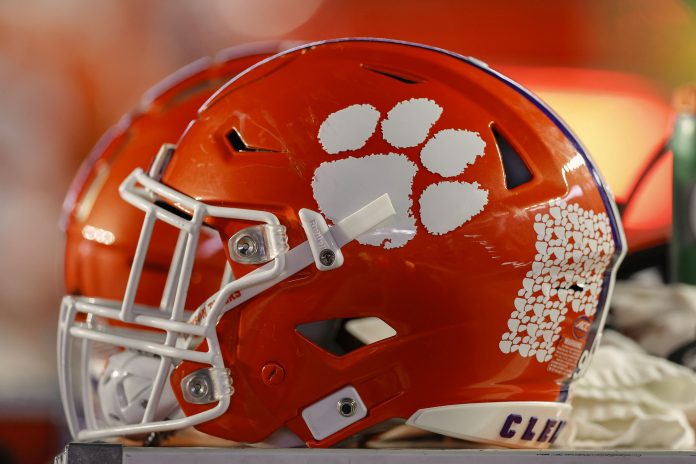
x=412 y=236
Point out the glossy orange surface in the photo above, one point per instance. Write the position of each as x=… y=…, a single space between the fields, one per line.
x=448 y=297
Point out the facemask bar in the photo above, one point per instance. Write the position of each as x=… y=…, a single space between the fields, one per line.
x=180 y=328
x=170 y=317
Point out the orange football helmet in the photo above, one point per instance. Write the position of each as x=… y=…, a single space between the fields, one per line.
x=413 y=236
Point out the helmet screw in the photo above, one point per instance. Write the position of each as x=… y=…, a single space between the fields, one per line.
x=198 y=387
x=246 y=246
x=272 y=373
x=327 y=257
x=347 y=407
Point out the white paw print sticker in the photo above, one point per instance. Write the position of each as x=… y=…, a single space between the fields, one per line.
x=343 y=186
x=574 y=248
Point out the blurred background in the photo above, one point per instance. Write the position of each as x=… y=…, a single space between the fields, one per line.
x=70 y=68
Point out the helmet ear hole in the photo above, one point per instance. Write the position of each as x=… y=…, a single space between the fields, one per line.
x=343 y=336
x=516 y=171
x=577 y=287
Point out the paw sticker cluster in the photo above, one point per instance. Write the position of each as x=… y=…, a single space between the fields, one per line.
x=574 y=248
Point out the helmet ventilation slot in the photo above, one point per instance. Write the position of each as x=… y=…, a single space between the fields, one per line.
x=343 y=336
x=516 y=171
x=393 y=74
x=238 y=144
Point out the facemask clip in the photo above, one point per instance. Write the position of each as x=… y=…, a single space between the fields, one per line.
x=258 y=244
x=206 y=386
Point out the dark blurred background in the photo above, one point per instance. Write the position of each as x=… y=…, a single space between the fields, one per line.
x=70 y=68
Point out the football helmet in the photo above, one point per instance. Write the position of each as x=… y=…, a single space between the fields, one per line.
x=102 y=230
x=413 y=236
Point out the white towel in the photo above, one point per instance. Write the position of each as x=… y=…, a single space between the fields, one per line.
x=630 y=399
x=661 y=318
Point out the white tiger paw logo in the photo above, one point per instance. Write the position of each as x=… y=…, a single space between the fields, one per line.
x=343 y=186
